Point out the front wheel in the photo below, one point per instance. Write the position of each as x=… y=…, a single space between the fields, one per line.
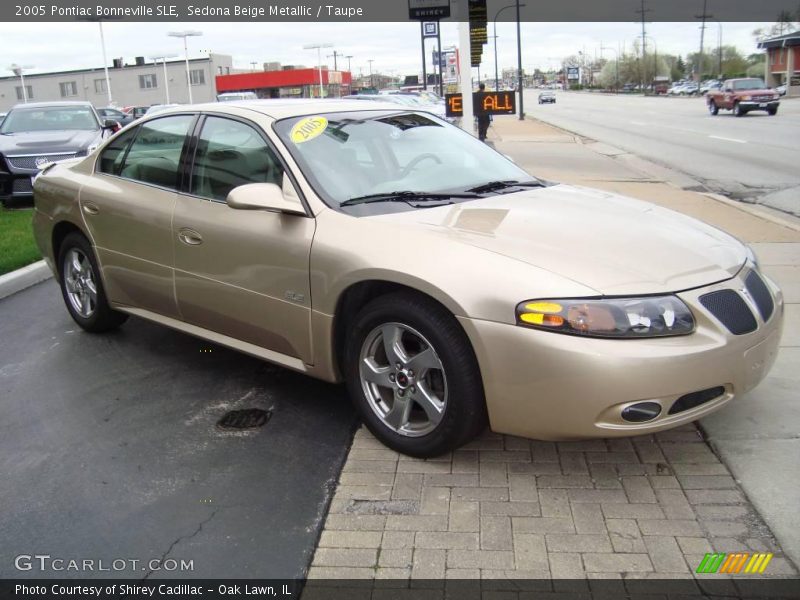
x=738 y=111
x=82 y=287
x=772 y=111
x=413 y=377
x=713 y=109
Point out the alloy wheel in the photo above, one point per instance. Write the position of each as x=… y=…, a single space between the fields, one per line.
x=403 y=379
x=80 y=283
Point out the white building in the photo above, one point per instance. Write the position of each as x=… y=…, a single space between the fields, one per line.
x=141 y=83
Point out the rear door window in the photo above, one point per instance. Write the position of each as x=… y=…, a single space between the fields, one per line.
x=155 y=155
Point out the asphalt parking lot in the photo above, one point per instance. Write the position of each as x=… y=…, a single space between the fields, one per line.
x=109 y=450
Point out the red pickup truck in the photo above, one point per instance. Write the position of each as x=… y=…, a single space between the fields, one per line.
x=743 y=95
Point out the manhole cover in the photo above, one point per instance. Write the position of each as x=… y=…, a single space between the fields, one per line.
x=250 y=418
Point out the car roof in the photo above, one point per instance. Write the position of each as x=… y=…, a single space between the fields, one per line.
x=283 y=108
x=52 y=104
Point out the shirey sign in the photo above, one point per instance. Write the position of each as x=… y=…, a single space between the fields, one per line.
x=493 y=103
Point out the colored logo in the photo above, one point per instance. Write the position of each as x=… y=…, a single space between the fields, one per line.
x=735 y=563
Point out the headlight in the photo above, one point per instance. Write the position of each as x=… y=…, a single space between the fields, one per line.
x=88 y=150
x=652 y=316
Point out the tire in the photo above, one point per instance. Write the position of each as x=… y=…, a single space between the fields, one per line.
x=737 y=110
x=425 y=413
x=713 y=109
x=772 y=111
x=82 y=287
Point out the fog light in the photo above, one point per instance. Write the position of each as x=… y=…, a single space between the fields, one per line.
x=641 y=412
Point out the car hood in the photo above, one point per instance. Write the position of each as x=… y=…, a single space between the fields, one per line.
x=610 y=243
x=46 y=142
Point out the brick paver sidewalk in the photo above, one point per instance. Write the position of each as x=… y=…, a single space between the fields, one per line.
x=506 y=507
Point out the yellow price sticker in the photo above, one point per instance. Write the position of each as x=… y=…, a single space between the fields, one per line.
x=307 y=129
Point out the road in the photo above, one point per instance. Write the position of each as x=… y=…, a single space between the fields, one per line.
x=109 y=450
x=745 y=158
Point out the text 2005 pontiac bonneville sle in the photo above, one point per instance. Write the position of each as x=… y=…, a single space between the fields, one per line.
x=383 y=247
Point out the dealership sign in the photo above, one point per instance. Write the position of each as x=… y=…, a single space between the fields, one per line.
x=428 y=9
x=493 y=103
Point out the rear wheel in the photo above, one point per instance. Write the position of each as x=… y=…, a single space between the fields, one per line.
x=713 y=108
x=413 y=376
x=82 y=287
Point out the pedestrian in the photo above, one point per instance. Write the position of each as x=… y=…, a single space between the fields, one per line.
x=482 y=114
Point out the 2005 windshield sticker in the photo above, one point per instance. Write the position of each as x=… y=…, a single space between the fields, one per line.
x=308 y=128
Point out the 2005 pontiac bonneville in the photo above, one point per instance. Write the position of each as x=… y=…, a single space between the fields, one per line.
x=389 y=249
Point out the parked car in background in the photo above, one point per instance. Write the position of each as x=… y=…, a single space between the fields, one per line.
x=234 y=96
x=38 y=133
x=547 y=97
x=2 y=116
x=743 y=96
x=781 y=89
x=708 y=85
x=380 y=246
x=136 y=111
x=115 y=115
x=684 y=89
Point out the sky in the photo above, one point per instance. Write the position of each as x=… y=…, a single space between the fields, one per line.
x=393 y=47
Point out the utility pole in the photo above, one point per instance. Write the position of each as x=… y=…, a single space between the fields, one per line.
x=253 y=65
x=643 y=11
x=334 y=55
x=348 y=57
x=371 y=82
x=703 y=18
x=519 y=67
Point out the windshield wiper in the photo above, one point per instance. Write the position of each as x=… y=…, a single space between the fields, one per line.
x=499 y=185
x=405 y=196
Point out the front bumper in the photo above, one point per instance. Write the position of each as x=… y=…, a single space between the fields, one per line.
x=552 y=386
x=17 y=173
x=753 y=105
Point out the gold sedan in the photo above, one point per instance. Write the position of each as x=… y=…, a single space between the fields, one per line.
x=386 y=248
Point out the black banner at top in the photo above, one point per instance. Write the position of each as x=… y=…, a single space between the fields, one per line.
x=383 y=10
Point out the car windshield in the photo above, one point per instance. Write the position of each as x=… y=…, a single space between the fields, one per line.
x=749 y=84
x=356 y=154
x=51 y=118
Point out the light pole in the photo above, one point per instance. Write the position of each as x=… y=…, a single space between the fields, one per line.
x=318 y=48
x=19 y=71
x=371 y=83
x=186 y=34
x=519 y=66
x=348 y=57
x=497 y=14
x=719 y=49
x=655 y=61
x=163 y=58
x=105 y=62
x=616 y=70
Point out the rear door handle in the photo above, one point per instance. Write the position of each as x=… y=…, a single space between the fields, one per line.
x=190 y=237
x=90 y=208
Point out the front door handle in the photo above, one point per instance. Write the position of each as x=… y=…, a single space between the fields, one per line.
x=90 y=208
x=190 y=237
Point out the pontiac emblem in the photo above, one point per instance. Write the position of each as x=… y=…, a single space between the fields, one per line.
x=41 y=161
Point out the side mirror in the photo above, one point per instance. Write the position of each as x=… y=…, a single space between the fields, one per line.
x=110 y=124
x=262 y=196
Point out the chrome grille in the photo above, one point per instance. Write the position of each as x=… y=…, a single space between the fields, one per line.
x=731 y=309
x=762 y=98
x=760 y=294
x=29 y=162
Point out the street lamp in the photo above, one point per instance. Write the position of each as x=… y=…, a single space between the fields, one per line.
x=19 y=71
x=519 y=66
x=497 y=14
x=163 y=58
x=318 y=48
x=186 y=34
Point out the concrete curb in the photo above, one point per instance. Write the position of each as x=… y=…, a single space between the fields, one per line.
x=752 y=209
x=18 y=280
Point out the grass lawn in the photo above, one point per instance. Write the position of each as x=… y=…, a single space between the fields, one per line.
x=17 y=247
